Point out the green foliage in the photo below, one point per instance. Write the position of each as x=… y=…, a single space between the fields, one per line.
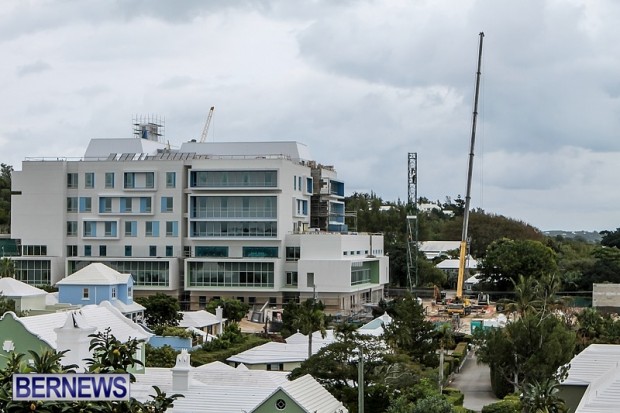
x=306 y=318
x=611 y=238
x=541 y=396
x=6 y=304
x=202 y=356
x=7 y=267
x=5 y=198
x=409 y=331
x=161 y=310
x=110 y=356
x=164 y=356
x=510 y=404
x=433 y=404
x=454 y=396
x=506 y=260
x=232 y=309
x=168 y=331
x=530 y=349
x=230 y=337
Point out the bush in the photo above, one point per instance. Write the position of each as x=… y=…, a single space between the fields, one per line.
x=173 y=332
x=500 y=386
x=510 y=404
x=164 y=356
x=454 y=396
x=202 y=356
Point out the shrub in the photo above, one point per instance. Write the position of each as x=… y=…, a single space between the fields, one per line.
x=173 y=332
x=454 y=396
x=510 y=404
x=164 y=356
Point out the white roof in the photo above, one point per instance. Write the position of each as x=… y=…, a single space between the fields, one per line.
x=12 y=288
x=198 y=319
x=433 y=248
x=376 y=326
x=294 y=350
x=214 y=388
x=102 y=148
x=127 y=308
x=102 y=316
x=95 y=274
x=295 y=150
x=311 y=396
x=597 y=368
x=453 y=264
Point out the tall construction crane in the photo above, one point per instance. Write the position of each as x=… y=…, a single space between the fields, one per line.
x=463 y=248
x=205 y=130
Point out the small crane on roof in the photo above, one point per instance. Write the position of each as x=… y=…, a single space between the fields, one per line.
x=205 y=130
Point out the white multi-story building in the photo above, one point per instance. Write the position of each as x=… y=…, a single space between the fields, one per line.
x=257 y=221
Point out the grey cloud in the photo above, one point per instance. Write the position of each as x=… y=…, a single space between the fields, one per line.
x=33 y=68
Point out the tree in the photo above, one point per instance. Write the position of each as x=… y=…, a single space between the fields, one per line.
x=611 y=238
x=529 y=349
x=308 y=319
x=161 y=310
x=232 y=309
x=7 y=267
x=410 y=332
x=433 y=404
x=6 y=304
x=5 y=198
x=507 y=259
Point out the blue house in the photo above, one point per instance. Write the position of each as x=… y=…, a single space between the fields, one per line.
x=96 y=283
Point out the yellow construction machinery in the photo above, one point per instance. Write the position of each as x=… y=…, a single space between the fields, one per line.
x=461 y=304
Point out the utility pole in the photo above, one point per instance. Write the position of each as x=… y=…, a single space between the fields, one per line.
x=360 y=381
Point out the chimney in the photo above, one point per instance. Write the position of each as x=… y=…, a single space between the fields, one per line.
x=73 y=336
x=219 y=313
x=180 y=372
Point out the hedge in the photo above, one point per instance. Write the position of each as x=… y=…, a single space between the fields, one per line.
x=454 y=396
x=510 y=404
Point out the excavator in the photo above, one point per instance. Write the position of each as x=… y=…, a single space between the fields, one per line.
x=461 y=304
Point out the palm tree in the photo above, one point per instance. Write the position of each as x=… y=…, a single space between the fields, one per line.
x=7 y=267
x=309 y=318
x=526 y=296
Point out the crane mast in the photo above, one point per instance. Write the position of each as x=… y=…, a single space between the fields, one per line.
x=463 y=247
x=205 y=130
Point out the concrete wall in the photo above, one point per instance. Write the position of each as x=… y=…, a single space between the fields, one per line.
x=606 y=295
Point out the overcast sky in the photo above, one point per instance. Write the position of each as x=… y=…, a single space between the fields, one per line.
x=362 y=83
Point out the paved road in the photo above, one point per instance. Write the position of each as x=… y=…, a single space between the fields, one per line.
x=475 y=383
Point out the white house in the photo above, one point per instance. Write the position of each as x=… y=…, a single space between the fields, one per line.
x=258 y=221
x=26 y=297
x=433 y=249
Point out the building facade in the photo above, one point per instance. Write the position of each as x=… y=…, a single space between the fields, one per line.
x=257 y=221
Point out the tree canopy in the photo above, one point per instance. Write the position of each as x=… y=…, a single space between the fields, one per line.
x=232 y=309
x=161 y=310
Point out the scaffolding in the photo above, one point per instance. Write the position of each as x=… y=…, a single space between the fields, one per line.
x=412 y=220
x=149 y=127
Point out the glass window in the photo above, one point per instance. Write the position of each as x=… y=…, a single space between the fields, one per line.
x=211 y=251
x=166 y=203
x=151 y=229
x=263 y=252
x=131 y=228
x=90 y=229
x=171 y=179
x=33 y=272
x=291 y=278
x=72 y=228
x=169 y=250
x=85 y=293
x=109 y=228
x=126 y=204
x=103 y=250
x=257 y=274
x=293 y=253
x=145 y=204
x=153 y=250
x=72 y=250
x=129 y=180
x=72 y=204
x=109 y=179
x=172 y=228
x=87 y=250
x=105 y=204
x=86 y=204
x=89 y=180
x=113 y=292
x=310 y=279
x=150 y=180
x=127 y=250
x=72 y=180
